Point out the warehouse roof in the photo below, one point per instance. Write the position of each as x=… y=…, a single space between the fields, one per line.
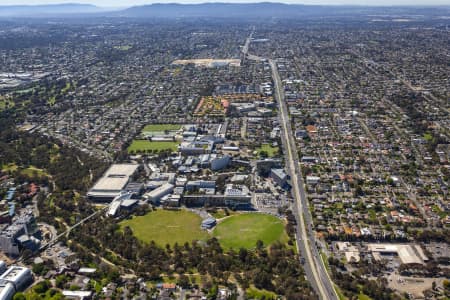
x=408 y=254
x=113 y=181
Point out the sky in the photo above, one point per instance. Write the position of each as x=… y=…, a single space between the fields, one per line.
x=127 y=3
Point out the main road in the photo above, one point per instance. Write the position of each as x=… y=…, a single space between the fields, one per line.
x=306 y=243
x=314 y=267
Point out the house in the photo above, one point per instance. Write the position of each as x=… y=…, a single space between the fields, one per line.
x=312 y=179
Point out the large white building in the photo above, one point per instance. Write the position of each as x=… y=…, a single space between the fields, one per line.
x=407 y=253
x=19 y=277
x=157 y=194
x=7 y=290
x=113 y=182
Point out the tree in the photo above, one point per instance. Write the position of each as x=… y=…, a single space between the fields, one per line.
x=183 y=281
x=446 y=284
x=264 y=154
x=19 y=296
x=42 y=287
x=259 y=244
x=263 y=280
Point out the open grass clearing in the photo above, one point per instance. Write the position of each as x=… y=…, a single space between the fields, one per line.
x=269 y=149
x=161 y=127
x=254 y=293
x=142 y=146
x=6 y=103
x=167 y=227
x=30 y=171
x=244 y=230
x=9 y=167
x=33 y=171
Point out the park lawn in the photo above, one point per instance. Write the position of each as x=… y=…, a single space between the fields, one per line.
x=436 y=209
x=362 y=296
x=167 y=227
x=161 y=127
x=6 y=103
x=427 y=136
x=138 y=146
x=271 y=151
x=66 y=88
x=244 y=230
x=31 y=171
x=9 y=167
x=51 y=101
x=254 y=293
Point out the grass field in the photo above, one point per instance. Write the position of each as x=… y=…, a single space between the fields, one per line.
x=167 y=227
x=139 y=146
x=6 y=103
x=254 y=293
x=271 y=151
x=161 y=127
x=9 y=167
x=244 y=230
x=363 y=297
x=30 y=171
x=51 y=101
x=427 y=136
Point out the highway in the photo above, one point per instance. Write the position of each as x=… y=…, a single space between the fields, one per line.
x=314 y=267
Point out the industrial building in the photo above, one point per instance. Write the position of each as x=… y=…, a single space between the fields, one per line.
x=113 y=182
x=408 y=254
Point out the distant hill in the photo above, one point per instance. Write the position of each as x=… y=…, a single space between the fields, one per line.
x=267 y=10
x=220 y=10
x=263 y=10
x=46 y=10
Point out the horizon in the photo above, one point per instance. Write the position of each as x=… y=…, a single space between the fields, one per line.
x=131 y=3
